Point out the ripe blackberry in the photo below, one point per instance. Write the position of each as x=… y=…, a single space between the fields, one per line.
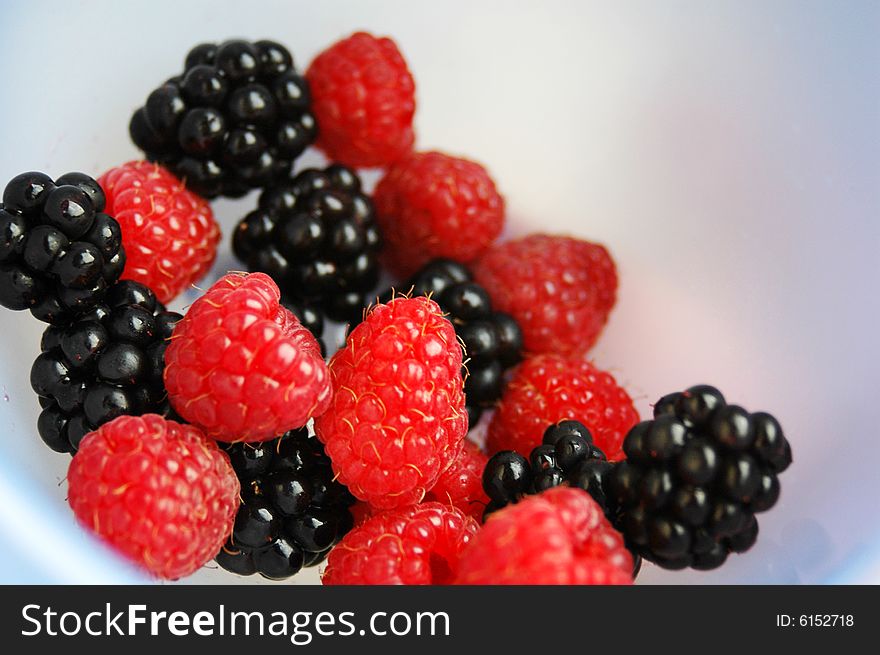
x=316 y=236
x=58 y=251
x=566 y=456
x=492 y=340
x=292 y=510
x=235 y=119
x=103 y=364
x=695 y=477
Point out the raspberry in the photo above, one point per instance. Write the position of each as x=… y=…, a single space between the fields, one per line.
x=492 y=340
x=414 y=545
x=159 y=492
x=316 y=236
x=559 y=289
x=241 y=366
x=397 y=417
x=461 y=484
x=558 y=537
x=548 y=388
x=433 y=205
x=236 y=118
x=106 y=363
x=59 y=251
x=169 y=233
x=695 y=477
x=364 y=100
x=292 y=510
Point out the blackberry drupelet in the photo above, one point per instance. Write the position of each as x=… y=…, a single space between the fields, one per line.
x=59 y=252
x=316 y=236
x=695 y=477
x=566 y=456
x=492 y=340
x=292 y=511
x=235 y=119
x=103 y=364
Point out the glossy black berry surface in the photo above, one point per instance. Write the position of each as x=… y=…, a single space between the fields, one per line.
x=105 y=363
x=694 y=478
x=317 y=237
x=236 y=118
x=566 y=456
x=292 y=511
x=59 y=253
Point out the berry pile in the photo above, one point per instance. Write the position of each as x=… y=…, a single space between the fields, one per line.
x=316 y=236
x=566 y=456
x=492 y=340
x=292 y=509
x=235 y=119
x=58 y=251
x=388 y=490
x=695 y=477
x=105 y=363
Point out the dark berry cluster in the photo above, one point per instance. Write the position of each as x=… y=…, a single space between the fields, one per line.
x=292 y=510
x=695 y=477
x=316 y=236
x=566 y=456
x=105 y=363
x=58 y=251
x=493 y=341
x=235 y=119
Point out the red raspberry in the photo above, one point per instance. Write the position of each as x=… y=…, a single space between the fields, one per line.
x=432 y=205
x=397 y=417
x=461 y=484
x=160 y=492
x=418 y=544
x=169 y=234
x=559 y=289
x=546 y=389
x=363 y=96
x=559 y=537
x=242 y=367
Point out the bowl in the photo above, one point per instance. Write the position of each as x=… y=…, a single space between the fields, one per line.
x=726 y=154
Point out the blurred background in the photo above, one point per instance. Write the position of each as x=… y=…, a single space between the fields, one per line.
x=728 y=154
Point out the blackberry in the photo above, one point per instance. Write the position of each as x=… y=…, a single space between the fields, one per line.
x=493 y=341
x=695 y=477
x=58 y=251
x=235 y=119
x=316 y=236
x=105 y=363
x=292 y=510
x=567 y=455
